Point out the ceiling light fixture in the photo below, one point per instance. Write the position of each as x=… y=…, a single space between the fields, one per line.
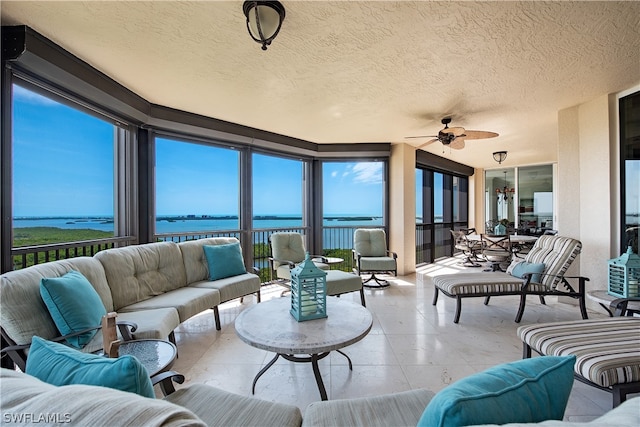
x=500 y=156
x=264 y=19
x=504 y=193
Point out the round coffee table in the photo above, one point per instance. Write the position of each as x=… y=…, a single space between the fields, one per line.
x=269 y=326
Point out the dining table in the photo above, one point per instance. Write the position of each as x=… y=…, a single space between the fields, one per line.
x=515 y=238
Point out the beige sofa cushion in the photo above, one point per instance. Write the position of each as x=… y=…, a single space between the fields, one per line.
x=23 y=314
x=140 y=272
x=193 y=257
x=31 y=399
x=397 y=409
x=187 y=301
x=220 y=408
x=198 y=270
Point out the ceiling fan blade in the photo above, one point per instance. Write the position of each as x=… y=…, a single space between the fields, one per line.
x=421 y=136
x=457 y=131
x=479 y=134
x=427 y=143
x=457 y=144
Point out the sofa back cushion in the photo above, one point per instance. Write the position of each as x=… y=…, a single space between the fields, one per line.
x=137 y=273
x=556 y=253
x=24 y=314
x=194 y=259
x=26 y=399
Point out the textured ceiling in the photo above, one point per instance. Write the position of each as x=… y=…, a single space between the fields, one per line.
x=371 y=71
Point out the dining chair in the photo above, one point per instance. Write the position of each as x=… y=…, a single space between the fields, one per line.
x=496 y=250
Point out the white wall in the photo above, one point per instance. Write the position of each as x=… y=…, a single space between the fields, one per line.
x=402 y=211
x=586 y=203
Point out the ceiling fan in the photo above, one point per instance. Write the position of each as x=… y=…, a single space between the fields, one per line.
x=454 y=137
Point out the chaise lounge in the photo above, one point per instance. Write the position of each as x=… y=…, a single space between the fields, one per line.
x=541 y=273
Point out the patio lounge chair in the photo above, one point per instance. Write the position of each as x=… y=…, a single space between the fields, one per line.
x=607 y=351
x=556 y=253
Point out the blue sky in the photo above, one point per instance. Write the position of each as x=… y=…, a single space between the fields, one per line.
x=52 y=177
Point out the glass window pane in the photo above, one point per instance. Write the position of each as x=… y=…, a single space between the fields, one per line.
x=535 y=198
x=354 y=192
x=438 y=198
x=419 y=196
x=632 y=202
x=277 y=192
x=63 y=172
x=197 y=187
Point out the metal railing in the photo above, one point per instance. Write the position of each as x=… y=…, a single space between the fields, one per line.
x=26 y=256
x=337 y=242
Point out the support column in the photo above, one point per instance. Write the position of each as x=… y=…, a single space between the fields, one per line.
x=402 y=206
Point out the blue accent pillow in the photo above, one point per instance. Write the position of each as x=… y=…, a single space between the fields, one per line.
x=224 y=260
x=74 y=305
x=526 y=391
x=57 y=364
x=521 y=268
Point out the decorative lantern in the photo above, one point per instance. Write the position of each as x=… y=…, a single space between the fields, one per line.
x=308 y=291
x=624 y=275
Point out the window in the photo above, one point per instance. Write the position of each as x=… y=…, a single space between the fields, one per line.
x=63 y=171
x=353 y=193
x=441 y=205
x=524 y=196
x=277 y=192
x=630 y=170
x=197 y=187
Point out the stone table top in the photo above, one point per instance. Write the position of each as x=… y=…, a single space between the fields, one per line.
x=269 y=326
x=155 y=355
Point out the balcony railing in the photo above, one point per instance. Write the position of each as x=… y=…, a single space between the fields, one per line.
x=337 y=242
x=26 y=256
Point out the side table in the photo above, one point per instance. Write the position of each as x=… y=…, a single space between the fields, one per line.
x=604 y=299
x=155 y=355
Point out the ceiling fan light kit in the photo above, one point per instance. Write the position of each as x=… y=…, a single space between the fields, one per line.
x=454 y=137
x=500 y=156
x=264 y=20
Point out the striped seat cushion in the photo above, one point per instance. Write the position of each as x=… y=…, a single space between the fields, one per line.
x=478 y=283
x=607 y=350
x=556 y=253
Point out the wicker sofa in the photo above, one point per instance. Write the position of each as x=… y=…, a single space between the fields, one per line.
x=153 y=288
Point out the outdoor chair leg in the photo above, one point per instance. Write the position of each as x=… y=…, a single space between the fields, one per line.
x=216 y=317
x=542 y=301
x=523 y=302
x=435 y=295
x=456 y=318
x=526 y=351
x=583 y=307
x=486 y=300
x=362 y=297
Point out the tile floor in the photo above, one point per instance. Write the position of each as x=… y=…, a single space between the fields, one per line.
x=412 y=344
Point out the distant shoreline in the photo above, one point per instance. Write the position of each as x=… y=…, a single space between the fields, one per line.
x=171 y=218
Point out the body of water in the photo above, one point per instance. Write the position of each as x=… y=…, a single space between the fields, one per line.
x=178 y=224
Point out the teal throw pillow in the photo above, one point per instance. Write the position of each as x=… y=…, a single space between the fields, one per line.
x=526 y=391
x=524 y=267
x=59 y=365
x=74 y=305
x=224 y=260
